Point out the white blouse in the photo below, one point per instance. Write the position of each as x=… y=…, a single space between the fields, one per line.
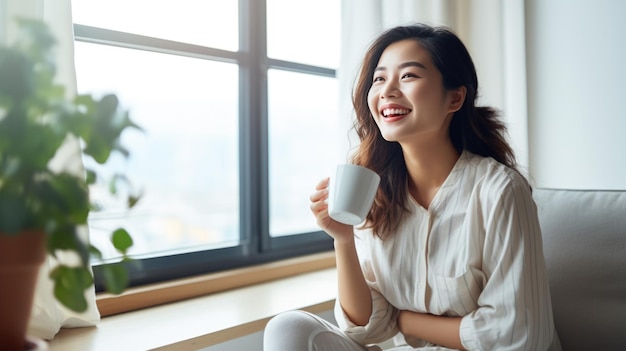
x=476 y=252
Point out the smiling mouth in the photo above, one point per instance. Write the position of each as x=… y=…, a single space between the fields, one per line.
x=395 y=112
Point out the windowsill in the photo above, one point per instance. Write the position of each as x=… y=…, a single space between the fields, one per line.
x=206 y=320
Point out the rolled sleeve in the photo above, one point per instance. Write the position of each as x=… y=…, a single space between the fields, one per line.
x=381 y=326
x=514 y=310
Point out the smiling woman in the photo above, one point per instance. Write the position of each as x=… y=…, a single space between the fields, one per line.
x=450 y=255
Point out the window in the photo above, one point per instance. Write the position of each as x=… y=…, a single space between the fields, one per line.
x=235 y=99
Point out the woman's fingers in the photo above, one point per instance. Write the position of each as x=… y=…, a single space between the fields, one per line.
x=322 y=184
x=319 y=195
x=321 y=192
x=319 y=207
x=319 y=203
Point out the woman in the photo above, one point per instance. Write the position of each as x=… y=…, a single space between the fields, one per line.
x=450 y=255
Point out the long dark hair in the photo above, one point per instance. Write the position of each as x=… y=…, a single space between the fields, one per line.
x=473 y=128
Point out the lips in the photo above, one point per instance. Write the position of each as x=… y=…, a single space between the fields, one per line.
x=394 y=112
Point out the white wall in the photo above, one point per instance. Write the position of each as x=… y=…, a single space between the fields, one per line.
x=576 y=56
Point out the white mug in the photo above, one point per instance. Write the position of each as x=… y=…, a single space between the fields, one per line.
x=351 y=193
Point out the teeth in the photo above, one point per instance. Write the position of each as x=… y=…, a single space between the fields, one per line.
x=395 y=111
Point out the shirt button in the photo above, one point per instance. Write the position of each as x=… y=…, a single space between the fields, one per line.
x=420 y=285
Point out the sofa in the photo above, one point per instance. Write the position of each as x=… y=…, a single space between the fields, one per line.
x=584 y=238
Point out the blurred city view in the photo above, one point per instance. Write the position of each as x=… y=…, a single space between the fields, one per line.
x=186 y=161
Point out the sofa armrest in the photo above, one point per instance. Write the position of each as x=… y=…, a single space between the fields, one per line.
x=584 y=237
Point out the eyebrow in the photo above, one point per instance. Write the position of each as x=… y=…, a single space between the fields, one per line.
x=403 y=65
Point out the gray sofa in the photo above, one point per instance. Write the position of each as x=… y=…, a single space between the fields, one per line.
x=584 y=237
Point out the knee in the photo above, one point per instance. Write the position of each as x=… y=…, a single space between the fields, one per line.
x=290 y=331
x=291 y=321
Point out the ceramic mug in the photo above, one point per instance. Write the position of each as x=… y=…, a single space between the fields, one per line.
x=351 y=193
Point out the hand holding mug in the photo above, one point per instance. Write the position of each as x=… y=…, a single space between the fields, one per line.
x=352 y=193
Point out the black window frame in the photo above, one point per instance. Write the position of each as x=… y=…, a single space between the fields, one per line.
x=256 y=244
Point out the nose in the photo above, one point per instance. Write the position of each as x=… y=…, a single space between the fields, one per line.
x=389 y=90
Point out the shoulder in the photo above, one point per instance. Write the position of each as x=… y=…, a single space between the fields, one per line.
x=494 y=181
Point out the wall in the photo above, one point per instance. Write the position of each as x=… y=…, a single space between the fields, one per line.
x=576 y=54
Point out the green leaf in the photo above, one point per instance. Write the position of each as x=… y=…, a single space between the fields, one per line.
x=13 y=212
x=121 y=240
x=109 y=105
x=70 y=284
x=132 y=200
x=37 y=36
x=65 y=237
x=63 y=195
x=115 y=277
x=10 y=167
x=113 y=186
x=85 y=101
x=109 y=121
x=95 y=252
x=91 y=176
x=16 y=74
x=99 y=150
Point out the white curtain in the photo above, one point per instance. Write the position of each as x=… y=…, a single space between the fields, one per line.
x=48 y=315
x=492 y=30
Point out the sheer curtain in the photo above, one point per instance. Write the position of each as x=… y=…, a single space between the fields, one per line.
x=492 y=30
x=48 y=315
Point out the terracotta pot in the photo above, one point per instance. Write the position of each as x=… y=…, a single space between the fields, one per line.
x=20 y=258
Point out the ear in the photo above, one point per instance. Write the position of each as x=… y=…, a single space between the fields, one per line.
x=457 y=97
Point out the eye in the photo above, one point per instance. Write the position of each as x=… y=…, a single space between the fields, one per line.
x=410 y=75
x=378 y=79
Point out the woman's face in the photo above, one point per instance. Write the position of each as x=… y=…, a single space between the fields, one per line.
x=407 y=98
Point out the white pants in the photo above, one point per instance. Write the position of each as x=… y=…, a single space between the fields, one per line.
x=303 y=331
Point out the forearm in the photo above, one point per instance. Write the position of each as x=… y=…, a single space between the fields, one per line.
x=354 y=293
x=439 y=330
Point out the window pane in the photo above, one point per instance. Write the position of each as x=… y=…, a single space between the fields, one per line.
x=303 y=146
x=186 y=161
x=210 y=23
x=312 y=38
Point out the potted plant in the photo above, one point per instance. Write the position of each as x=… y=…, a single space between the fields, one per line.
x=43 y=209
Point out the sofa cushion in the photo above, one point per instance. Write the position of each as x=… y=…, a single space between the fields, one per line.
x=584 y=237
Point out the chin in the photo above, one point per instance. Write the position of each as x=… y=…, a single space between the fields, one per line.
x=390 y=137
